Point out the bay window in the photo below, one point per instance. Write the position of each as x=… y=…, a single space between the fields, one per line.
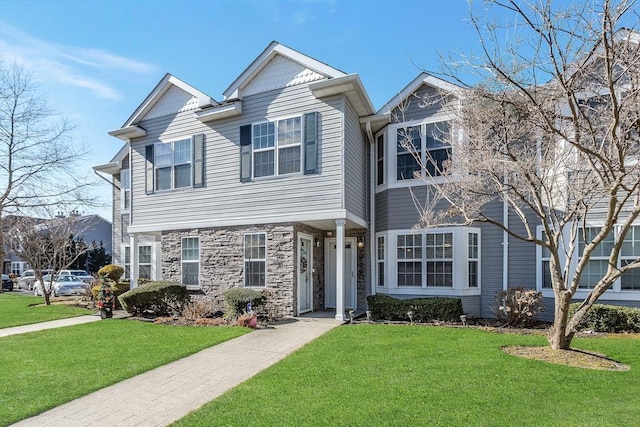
x=441 y=261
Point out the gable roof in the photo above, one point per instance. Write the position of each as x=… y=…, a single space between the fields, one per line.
x=274 y=49
x=422 y=79
x=168 y=82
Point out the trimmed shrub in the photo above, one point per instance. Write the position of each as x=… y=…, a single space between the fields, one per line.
x=384 y=307
x=517 y=307
x=113 y=272
x=237 y=299
x=609 y=318
x=162 y=298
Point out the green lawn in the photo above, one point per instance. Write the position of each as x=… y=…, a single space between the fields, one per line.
x=41 y=370
x=21 y=309
x=401 y=375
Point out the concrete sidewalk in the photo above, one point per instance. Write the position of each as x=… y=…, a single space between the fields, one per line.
x=70 y=321
x=167 y=393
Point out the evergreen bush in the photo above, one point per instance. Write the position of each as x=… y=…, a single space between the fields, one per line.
x=609 y=318
x=384 y=307
x=162 y=298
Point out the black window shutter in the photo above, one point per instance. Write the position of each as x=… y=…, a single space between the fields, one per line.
x=310 y=143
x=198 y=160
x=245 y=153
x=148 y=169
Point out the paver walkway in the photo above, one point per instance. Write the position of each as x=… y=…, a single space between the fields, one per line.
x=167 y=393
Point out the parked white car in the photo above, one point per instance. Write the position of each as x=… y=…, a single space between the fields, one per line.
x=80 y=274
x=28 y=277
x=65 y=285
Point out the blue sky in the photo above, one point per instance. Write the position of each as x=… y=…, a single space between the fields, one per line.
x=97 y=60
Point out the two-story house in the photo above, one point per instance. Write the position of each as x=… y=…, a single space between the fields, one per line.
x=266 y=188
x=294 y=183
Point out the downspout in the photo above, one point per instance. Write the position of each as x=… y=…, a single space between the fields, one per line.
x=106 y=180
x=505 y=244
x=372 y=211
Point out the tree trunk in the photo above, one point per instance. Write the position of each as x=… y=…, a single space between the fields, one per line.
x=47 y=297
x=559 y=336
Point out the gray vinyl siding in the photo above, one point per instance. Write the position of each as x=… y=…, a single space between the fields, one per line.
x=491 y=246
x=356 y=165
x=118 y=229
x=414 y=110
x=224 y=196
x=471 y=305
x=396 y=209
x=522 y=256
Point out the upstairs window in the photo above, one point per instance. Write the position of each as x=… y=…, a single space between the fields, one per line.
x=125 y=189
x=175 y=164
x=380 y=160
x=422 y=149
x=598 y=263
x=279 y=147
x=277 y=152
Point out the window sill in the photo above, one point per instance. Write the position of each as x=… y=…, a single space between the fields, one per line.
x=609 y=295
x=428 y=291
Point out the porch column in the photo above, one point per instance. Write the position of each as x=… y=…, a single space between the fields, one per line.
x=340 y=269
x=133 y=253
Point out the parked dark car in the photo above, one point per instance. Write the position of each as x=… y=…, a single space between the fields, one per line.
x=7 y=283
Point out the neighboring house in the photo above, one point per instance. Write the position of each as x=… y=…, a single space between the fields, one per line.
x=469 y=262
x=89 y=228
x=294 y=183
x=266 y=189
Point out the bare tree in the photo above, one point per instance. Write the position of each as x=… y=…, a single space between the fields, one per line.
x=38 y=158
x=551 y=130
x=50 y=244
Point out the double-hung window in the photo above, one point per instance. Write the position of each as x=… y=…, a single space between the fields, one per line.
x=255 y=260
x=422 y=149
x=380 y=252
x=127 y=262
x=439 y=259
x=598 y=263
x=409 y=253
x=144 y=262
x=173 y=164
x=125 y=192
x=474 y=259
x=277 y=147
x=630 y=251
x=380 y=160
x=409 y=149
x=190 y=261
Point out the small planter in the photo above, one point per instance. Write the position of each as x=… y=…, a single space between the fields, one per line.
x=106 y=313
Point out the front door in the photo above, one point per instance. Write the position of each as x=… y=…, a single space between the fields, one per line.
x=305 y=273
x=349 y=279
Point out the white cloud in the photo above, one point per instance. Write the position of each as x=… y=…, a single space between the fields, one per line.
x=67 y=65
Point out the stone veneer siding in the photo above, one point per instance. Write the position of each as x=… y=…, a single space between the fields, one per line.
x=222 y=263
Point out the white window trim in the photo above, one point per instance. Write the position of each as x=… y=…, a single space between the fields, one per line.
x=460 y=263
x=173 y=165
x=123 y=190
x=123 y=256
x=614 y=293
x=390 y=154
x=265 y=260
x=381 y=260
x=276 y=148
x=183 y=261
x=384 y=158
